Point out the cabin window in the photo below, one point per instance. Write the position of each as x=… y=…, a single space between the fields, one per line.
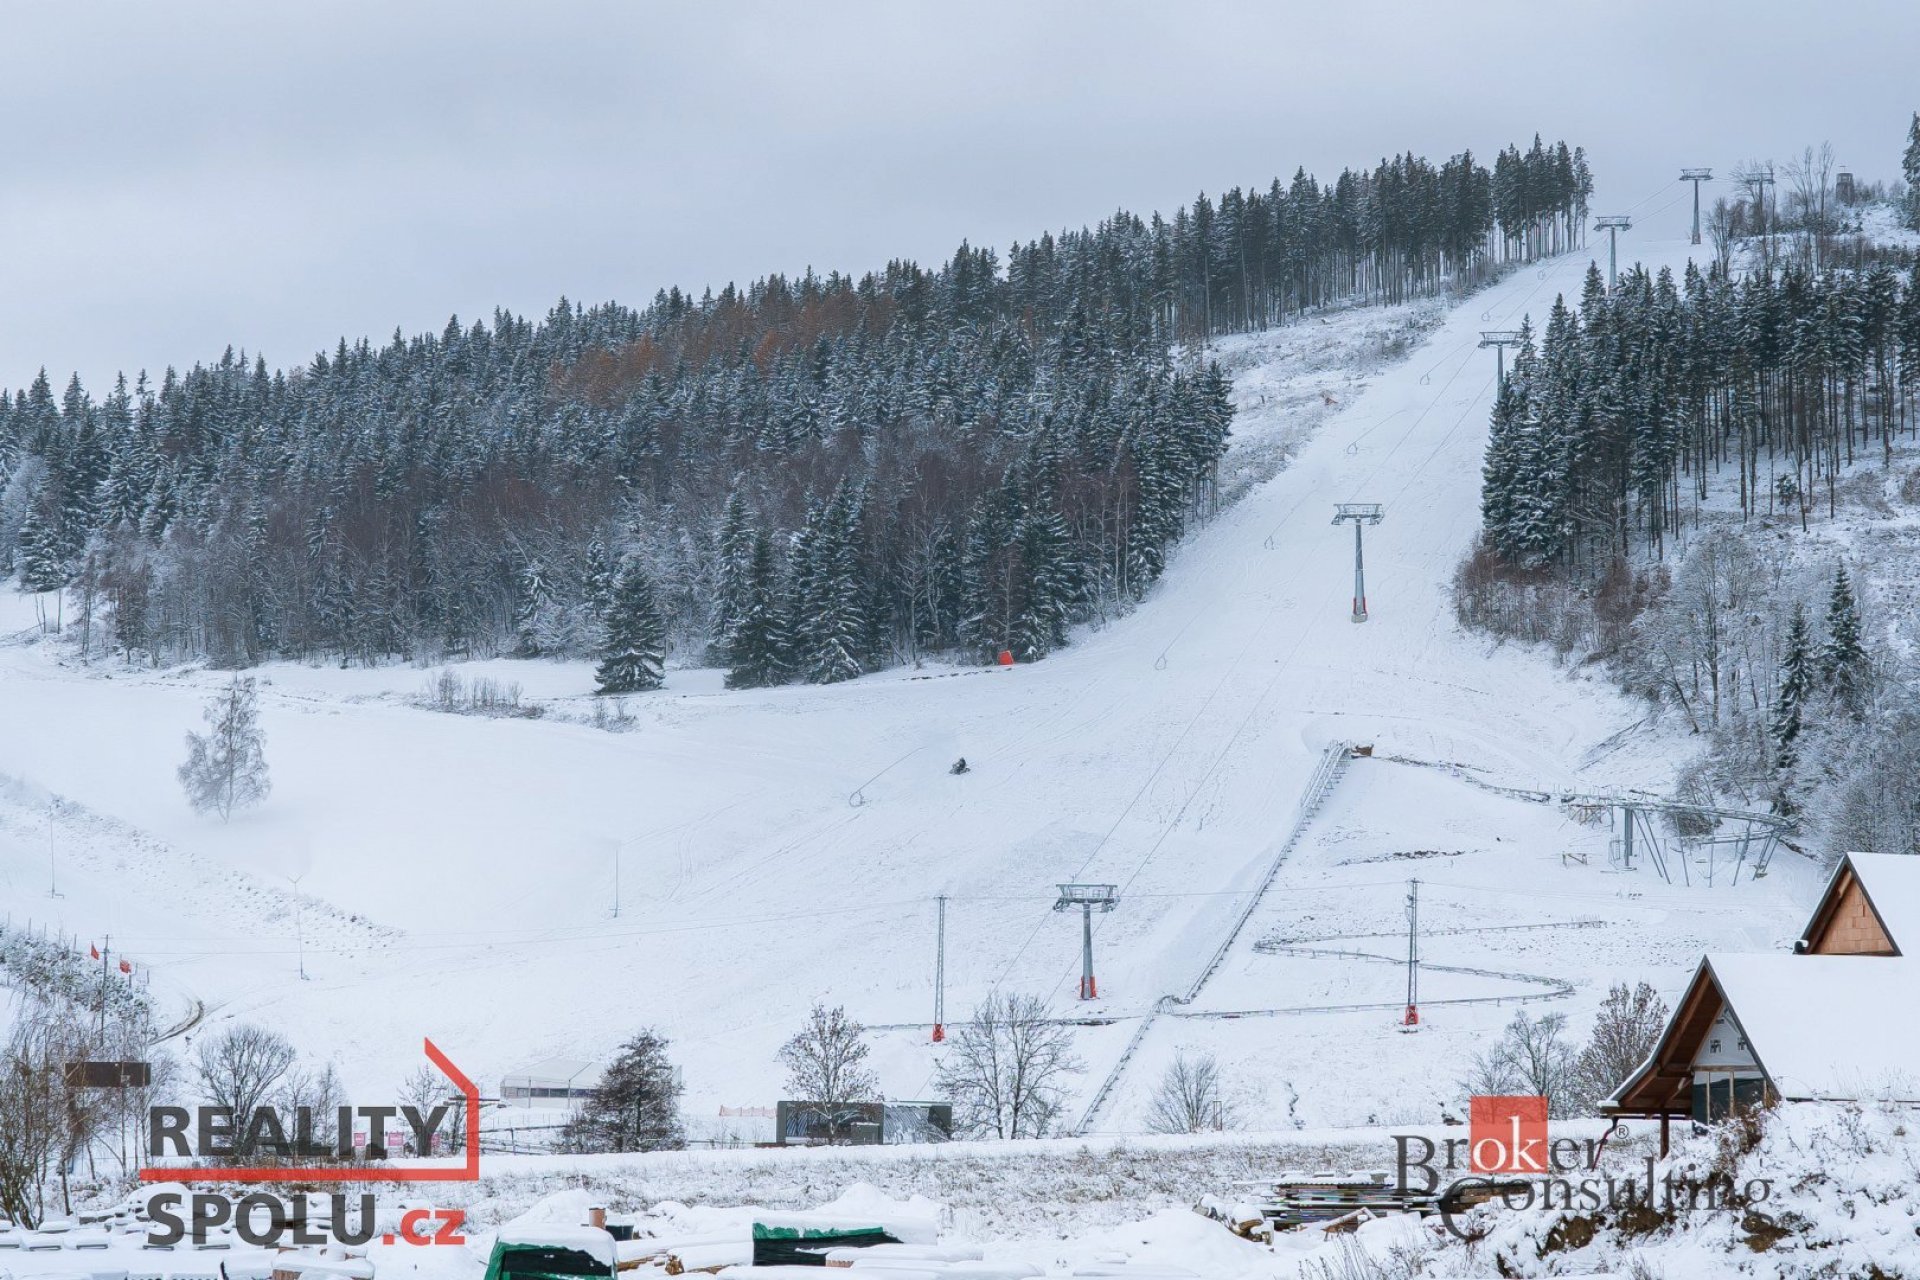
x=1713 y=1046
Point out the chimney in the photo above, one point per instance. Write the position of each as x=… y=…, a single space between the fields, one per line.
x=597 y=1217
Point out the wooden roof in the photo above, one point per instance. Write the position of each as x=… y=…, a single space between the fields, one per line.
x=1664 y=1083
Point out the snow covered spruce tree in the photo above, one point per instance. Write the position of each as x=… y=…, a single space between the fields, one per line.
x=1842 y=660
x=633 y=644
x=226 y=767
x=759 y=646
x=1795 y=688
x=636 y=1105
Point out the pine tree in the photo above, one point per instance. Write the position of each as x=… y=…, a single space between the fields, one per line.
x=1796 y=683
x=736 y=564
x=37 y=555
x=1842 y=660
x=226 y=767
x=597 y=575
x=633 y=646
x=1910 y=169
x=636 y=1105
x=830 y=626
x=759 y=645
x=1053 y=585
x=533 y=618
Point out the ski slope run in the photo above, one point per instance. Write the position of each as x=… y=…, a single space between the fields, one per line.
x=782 y=846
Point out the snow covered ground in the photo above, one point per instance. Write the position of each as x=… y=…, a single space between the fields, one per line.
x=455 y=877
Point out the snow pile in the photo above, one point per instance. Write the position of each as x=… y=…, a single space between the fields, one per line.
x=1804 y=1190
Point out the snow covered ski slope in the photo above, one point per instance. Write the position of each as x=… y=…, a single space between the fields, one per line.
x=779 y=846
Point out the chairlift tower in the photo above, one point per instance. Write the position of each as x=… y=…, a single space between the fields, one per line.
x=1613 y=224
x=1360 y=513
x=1696 y=177
x=1089 y=898
x=1500 y=340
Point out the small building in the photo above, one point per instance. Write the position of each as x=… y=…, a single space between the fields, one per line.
x=862 y=1124
x=558 y=1084
x=1828 y=1022
x=1843 y=187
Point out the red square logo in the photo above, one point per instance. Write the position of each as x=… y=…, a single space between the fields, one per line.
x=1509 y=1135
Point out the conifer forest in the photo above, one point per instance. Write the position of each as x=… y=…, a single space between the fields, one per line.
x=804 y=479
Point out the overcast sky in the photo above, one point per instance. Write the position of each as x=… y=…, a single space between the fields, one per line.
x=185 y=175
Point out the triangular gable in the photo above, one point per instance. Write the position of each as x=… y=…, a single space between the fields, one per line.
x=1848 y=921
x=1663 y=1084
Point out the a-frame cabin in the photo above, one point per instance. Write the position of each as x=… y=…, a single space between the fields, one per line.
x=1832 y=1020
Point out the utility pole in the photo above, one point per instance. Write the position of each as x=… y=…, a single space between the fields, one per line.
x=1089 y=898
x=1412 y=1017
x=1360 y=513
x=940 y=973
x=1613 y=224
x=53 y=878
x=1500 y=340
x=299 y=931
x=1696 y=177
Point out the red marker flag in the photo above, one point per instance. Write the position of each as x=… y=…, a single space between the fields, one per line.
x=95 y=950
x=125 y=967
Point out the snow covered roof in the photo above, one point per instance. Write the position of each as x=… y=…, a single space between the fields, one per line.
x=1892 y=884
x=1827 y=1026
x=555 y=1071
x=593 y=1241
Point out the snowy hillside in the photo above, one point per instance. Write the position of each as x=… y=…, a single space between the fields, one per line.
x=778 y=846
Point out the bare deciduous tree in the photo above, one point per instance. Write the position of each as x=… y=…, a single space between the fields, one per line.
x=226 y=768
x=321 y=1093
x=1190 y=1098
x=826 y=1063
x=1531 y=1057
x=1624 y=1033
x=1006 y=1068
x=45 y=1123
x=240 y=1069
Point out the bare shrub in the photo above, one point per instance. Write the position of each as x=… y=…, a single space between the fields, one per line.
x=611 y=715
x=481 y=696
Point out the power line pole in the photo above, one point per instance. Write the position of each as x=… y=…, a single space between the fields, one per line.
x=299 y=930
x=1360 y=513
x=1613 y=224
x=1412 y=1017
x=53 y=873
x=940 y=973
x=1089 y=898
x=1696 y=177
x=1500 y=340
